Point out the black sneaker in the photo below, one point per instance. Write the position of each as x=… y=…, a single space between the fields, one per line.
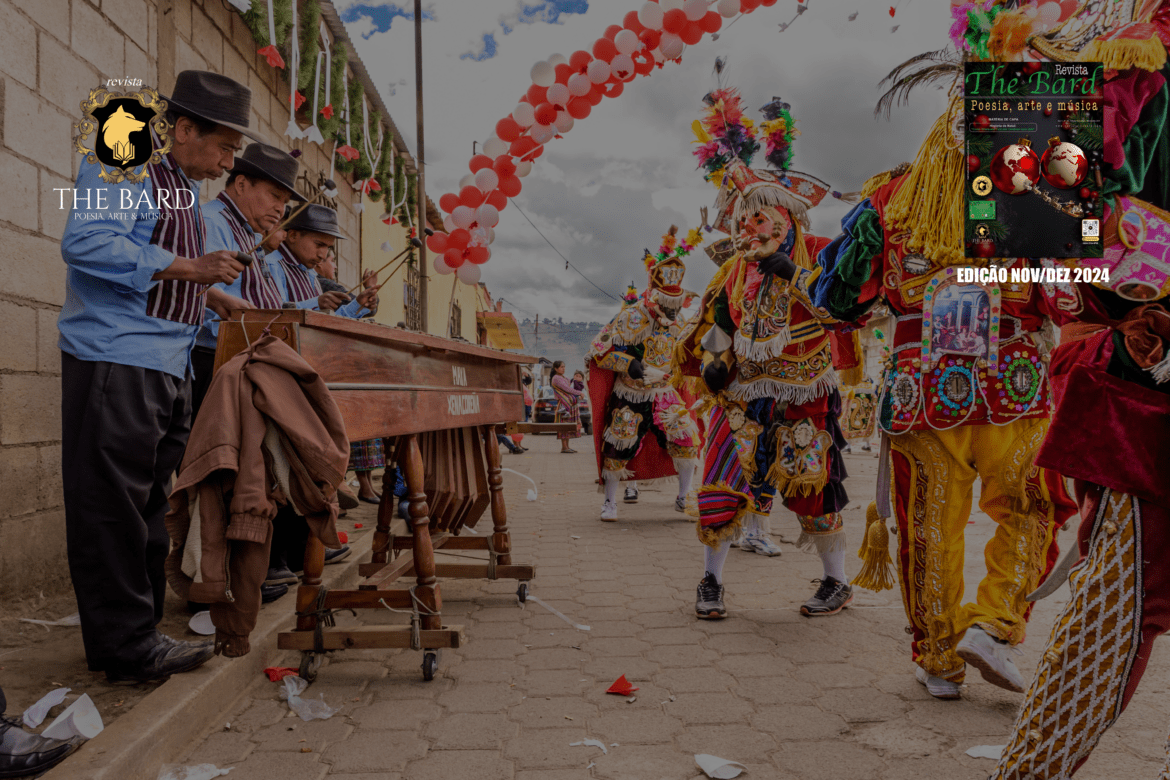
x=831 y=597
x=23 y=754
x=281 y=576
x=336 y=556
x=631 y=496
x=168 y=656
x=270 y=593
x=709 y=599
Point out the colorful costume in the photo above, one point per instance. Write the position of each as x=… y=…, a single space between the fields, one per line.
x=1112 y=420
x=858 y=412
x=964 y=393
x=760 y=355
x=629 y=379
x=568 y=410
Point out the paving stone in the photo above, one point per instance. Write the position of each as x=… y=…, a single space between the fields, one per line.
x=549 y=712
x=900 y=739
x=222 y=748
x=396 y=715
x=680 y=657
x=862 y=705
x=835 y=675
x=609 y=669
x=286 y=766
x=699 y=680
x=549 y=749
x=844 y=761
x=755 y=666
x=694 y=708
x=635 y=728
x=609 y=647
x=450 y=764
x=729 y=741
x=292 y=734
x=258 y=714
x=639 y=762
x=552 y=682
x=479 y=697
x=466 y=731
x=554 y=658
x=371 y=751
x=799 y=722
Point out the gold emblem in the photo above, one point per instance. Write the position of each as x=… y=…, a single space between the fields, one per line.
x=981 y=186
x=115 y=132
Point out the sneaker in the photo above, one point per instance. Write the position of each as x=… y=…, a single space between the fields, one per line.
x=337 y=556
x=609 y=511
x=761 y=544
x=990 y=657
x=709 y=599
x=270 y=593
x=865 y=447
x=938 y=687
x=281 y=576
x=680 y=504
x=631 y=495
x=831 y=597
x=847 y=448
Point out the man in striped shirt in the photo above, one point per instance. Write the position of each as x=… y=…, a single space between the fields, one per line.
x=136 y=288
x=312 y=235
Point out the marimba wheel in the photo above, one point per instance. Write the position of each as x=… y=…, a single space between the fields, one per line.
x=430 y=664
x=522 y=592
x=310 y=665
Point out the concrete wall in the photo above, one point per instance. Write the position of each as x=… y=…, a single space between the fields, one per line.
x=52 y=52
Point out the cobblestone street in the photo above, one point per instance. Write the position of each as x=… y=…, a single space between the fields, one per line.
x=790 y=698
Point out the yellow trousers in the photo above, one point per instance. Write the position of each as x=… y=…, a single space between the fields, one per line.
x=932 y=475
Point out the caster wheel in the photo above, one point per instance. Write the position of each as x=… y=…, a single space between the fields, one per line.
x=310 y=665
x=430 y=664
x=522 y=592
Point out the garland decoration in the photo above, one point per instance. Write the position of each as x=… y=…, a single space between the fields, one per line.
x=269 y=22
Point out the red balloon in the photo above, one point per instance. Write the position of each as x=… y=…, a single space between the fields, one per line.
x=478 y=254
x=747 y=6
x=563 y=71
x=537 y=95
x=537 y=152
x=579 y=107
x=459 y=239
x=522 y=146
x=579 y=61
x=643 y=65
x=507 y=129
x=674 y=21
x=479 y=162
x=603 y=49
x=631 y=22
x=769 y=3
x=449 y=202
x=510 y=186
x=614 y=89
x=470 y=196
x=504 y=166
x=692 y=33
x=595 y=95
x=612 y=31
x=497 y=199
x=546 y=113
x=437 y=243
x=712 y=22
x=453 y=257
x=651 y=38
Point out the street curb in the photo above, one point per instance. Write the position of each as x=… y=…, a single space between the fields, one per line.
x=164 y=725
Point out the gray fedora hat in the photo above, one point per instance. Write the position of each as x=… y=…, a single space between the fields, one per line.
x=316 y=219
x=213 y=97
x=268 y=162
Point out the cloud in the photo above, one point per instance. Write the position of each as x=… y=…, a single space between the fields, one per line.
x=485 y=50
x=548 y=12
x=378 y=18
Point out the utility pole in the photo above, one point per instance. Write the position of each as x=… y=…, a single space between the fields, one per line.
x=536 y=344
x=421 y=188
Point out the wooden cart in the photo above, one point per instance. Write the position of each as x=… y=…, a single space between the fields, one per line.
x=437 y=403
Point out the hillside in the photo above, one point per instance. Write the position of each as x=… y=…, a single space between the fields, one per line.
x=559 y=340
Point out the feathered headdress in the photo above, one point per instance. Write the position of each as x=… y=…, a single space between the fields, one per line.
x=665 y=269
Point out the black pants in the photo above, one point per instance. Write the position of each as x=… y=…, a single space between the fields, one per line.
x=3 y=701
x=203 y=364
x=290 y=534
x=124 y=429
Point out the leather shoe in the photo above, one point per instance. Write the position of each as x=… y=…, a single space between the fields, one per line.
x=23 y=754
x=167 y=656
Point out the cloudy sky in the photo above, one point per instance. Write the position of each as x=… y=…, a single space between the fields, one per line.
x=622 y=176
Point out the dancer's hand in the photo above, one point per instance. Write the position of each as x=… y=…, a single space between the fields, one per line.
x=715 y=375
x=635 y=370
x=778 y=264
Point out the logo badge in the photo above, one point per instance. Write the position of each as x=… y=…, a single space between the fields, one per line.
x=981 y=186
x=115 y=133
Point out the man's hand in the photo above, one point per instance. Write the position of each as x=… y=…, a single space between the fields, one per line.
x=220 y=267
x=635 y=369
x=369 y=298
x=716 y=373
x=778 y=264
x=221 y=303
x=331 y=301
x=651 y=374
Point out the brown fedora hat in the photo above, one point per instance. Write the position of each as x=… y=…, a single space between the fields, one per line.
x=267 y=162
x=215 y=98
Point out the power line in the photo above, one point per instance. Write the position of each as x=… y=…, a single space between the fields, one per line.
x=567 y=263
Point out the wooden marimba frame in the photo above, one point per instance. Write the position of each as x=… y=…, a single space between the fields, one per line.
x=438 y=403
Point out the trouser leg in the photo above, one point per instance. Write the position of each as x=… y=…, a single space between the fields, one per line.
x=124 y=429
x=203 y=365
x=3 y=701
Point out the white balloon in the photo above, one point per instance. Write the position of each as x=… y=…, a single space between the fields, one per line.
x=670 y=5
x=598 y=71
x=695 y=9
x=627 y=41
x=467 y=181
x=441 y=266
x=487 y=215
x=543 y=74
x=564 y=122
x=524 y=114
x=728 y=8
x=623 y=67
x=463 y=216
x=468 y=273
x=579 y=85
x=479 y=236
x=671 y=45
x=542 y=134
x=487 y=180
x=494 y=147
x=523 y=168
x=491 y=234
x=650 y=15
x=448 y=224
x=557 y=59
x=558 y=95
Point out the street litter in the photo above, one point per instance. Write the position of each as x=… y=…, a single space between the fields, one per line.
x=558 y=613
x=986 y=751
x=35 y=715
x=307 y=709
x=278 y=673
x=621 y=687
x=80 y=719
x=197 y=772
x=532 y=490
x=718 y=768
x=591 y=743
x=71 y=620
x=201 y=623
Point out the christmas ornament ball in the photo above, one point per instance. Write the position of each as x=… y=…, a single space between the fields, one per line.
x=983 y=249
x=1064 y=165
x=973 y=163
x=1015 y=168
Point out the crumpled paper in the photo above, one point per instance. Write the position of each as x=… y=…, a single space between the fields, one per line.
x=307 y=709
x=718 y=768
x=196 y=772
x=35 y=715
x=588 y=742
x=986 y=751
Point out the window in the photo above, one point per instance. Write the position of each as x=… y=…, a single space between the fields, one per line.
x=455 y=326
x=411 y=299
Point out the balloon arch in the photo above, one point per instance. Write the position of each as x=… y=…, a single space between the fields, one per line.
x=562 y=92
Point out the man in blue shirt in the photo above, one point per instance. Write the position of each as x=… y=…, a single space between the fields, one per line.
x=311 y=236
x=136 y=288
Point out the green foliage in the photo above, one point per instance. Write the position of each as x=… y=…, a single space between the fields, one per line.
x=383 y=174
x=310 y=43
x=335 y=96
x=256 y=20
x=1089 y=135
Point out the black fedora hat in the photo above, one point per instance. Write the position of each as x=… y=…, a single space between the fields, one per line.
x=215 y=98
x=267 y=162
x=316 y=219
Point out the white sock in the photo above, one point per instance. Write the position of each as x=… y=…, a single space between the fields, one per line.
x=685 y=475
x=611 y=488
x=714 y=559
x=834 y=563
x=752 y=525
x=633 y=483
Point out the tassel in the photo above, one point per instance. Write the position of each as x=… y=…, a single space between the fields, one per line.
x=1126 y=53
x=877 y=572
x=1161 y=370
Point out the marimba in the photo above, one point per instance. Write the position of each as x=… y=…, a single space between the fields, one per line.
x=437 y=403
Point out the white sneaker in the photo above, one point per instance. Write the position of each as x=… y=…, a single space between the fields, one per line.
x=761 y=544
x=937 y=687
x=990 y=657
x=680 y=504
x=609 y=511
x=631 y=496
